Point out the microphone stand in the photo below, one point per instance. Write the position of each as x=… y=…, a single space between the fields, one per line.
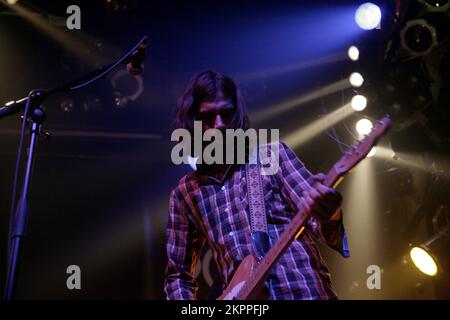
x=34 y=116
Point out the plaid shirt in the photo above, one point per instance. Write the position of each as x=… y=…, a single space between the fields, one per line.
x=203 y=209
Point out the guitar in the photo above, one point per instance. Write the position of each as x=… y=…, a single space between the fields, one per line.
x=248 y=280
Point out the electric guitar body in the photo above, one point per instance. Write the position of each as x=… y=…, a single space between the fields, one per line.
x=241 y=275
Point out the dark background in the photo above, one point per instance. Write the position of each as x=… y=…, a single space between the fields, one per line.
x=101 y=184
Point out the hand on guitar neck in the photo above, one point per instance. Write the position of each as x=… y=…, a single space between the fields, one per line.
x=321 y=201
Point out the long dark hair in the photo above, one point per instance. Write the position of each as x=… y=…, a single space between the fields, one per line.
x=207 y=86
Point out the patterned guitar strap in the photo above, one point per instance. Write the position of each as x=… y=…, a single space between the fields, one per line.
x=260 y=235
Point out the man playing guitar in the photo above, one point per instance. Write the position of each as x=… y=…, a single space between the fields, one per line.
x=211 y=206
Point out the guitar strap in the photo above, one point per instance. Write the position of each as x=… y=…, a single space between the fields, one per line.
x=258 y=220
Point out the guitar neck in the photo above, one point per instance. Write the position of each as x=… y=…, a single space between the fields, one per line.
x=254 y=284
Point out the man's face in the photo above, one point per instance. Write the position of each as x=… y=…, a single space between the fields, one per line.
x=215 y=114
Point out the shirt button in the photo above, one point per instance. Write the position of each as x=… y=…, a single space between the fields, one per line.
x=222 y=188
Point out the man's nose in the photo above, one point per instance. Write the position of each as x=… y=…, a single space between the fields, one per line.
x=218 y=123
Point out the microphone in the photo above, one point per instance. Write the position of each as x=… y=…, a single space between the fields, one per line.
x=135 y=63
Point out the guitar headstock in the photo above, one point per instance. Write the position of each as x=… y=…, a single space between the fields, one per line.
x=363 y=147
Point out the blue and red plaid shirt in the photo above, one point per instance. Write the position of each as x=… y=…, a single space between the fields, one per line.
x=204 y=209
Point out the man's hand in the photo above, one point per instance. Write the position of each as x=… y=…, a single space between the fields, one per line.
x=321 y=201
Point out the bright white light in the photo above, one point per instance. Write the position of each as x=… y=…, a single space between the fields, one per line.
x=359 y=102
x=192 y=162
x=368 y=16
x=423 y=261
x=9 y=103
x=356 y=79
x=364 y=126
x=372 y=152
x=12 y=1
x=353 y=53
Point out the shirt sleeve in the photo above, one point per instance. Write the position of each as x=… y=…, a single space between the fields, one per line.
x=183 y=249
x=296 y=178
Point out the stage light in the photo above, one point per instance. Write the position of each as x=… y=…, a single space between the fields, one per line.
x=372 y=152
x=356 y=79
x=353 y=53
x=430 y=257
x=418 y=37
x=423 y=261
x=364 y=126
x=368 y=16
x=11 y=2
x=359 y=102
x=436 y=5
x=123 y=83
